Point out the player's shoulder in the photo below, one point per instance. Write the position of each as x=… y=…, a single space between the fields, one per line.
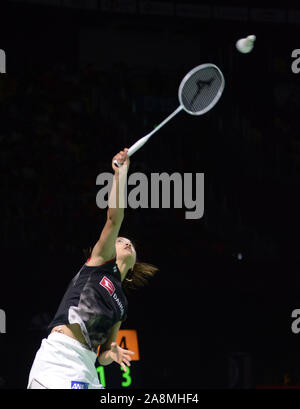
x=97 y=262
x=108 y=267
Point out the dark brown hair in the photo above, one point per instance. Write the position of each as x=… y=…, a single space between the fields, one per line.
x=137 y=276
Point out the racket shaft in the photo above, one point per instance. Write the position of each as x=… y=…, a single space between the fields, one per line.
x=143 y=140
x=138 y=145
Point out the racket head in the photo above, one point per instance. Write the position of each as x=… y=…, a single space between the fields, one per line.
x=212 y=81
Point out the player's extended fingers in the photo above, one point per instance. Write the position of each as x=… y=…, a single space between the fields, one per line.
x=126 y=362
x=128 y=356
x=123 y=366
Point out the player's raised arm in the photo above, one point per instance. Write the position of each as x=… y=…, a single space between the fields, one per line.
x=104 y=249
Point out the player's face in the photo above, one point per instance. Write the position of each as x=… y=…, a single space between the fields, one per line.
x=126 y=250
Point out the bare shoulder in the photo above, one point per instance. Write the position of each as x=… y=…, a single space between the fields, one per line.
x=96 y=261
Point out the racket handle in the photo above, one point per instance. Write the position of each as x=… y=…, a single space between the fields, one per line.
x=135 y=147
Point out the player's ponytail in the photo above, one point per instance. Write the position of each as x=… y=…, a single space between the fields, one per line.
x=139 y=275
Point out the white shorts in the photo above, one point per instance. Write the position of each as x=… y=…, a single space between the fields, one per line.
x=64 y=363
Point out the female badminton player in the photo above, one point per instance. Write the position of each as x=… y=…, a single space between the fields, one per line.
x=94 y=305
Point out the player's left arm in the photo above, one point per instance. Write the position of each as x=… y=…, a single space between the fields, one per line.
x=111 y=352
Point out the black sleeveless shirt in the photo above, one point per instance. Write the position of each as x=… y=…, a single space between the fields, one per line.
x=95 y=300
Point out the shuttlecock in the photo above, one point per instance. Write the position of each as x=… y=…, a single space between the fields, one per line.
x=245 y=45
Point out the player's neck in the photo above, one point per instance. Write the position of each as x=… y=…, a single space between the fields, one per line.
x=123 y=268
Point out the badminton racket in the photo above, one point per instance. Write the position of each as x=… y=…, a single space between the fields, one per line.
x=198 y=93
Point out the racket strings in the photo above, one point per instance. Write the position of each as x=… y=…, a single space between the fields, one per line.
x=201 y=89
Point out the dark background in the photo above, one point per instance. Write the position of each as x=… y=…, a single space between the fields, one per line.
x=83 y=84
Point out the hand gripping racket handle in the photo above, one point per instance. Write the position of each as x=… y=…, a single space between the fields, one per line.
x=135 y=147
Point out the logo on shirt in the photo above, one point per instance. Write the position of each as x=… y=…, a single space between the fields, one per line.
x=79 y=385
x=108 y=285
x=119 y=304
